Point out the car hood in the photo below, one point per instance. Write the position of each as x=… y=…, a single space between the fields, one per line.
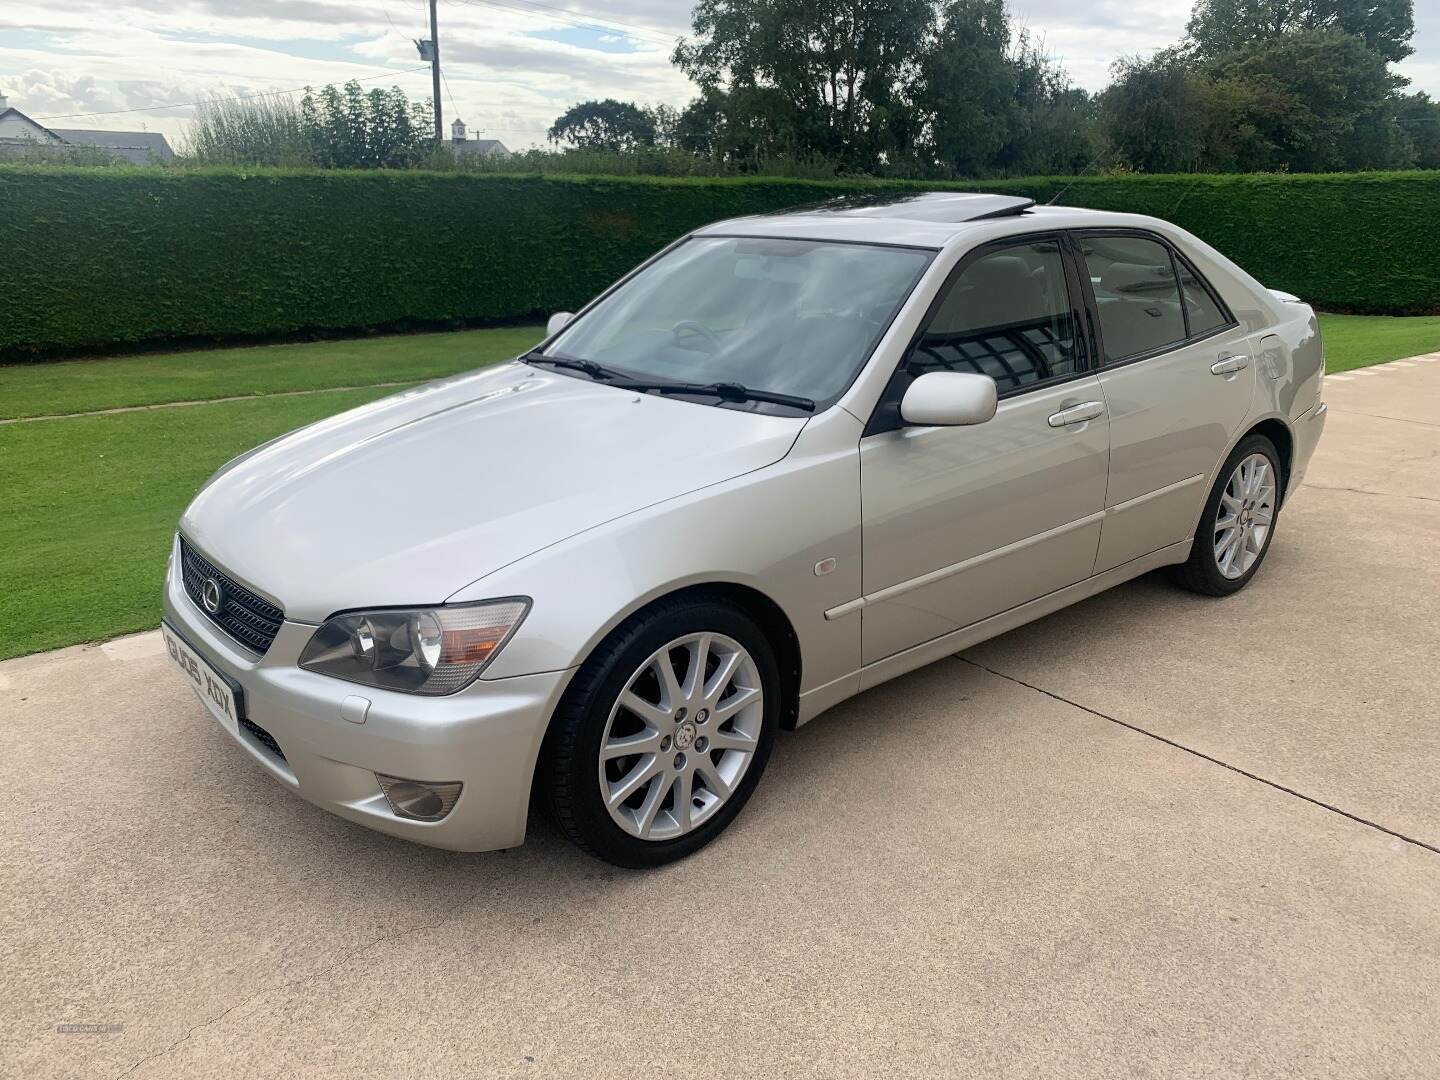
x=409 y=499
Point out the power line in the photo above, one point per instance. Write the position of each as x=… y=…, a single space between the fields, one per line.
x=217 y=101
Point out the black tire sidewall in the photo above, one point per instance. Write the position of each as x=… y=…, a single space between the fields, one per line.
x=579 y=730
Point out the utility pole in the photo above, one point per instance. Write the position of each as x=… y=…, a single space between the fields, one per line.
x=435 y=71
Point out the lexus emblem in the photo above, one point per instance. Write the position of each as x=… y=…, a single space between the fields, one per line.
x=211 y=596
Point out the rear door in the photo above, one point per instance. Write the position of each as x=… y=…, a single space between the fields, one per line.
x=961 y=523
x=1178 y=376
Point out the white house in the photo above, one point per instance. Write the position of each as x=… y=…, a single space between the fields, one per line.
x=19 y=132
x=461 y=145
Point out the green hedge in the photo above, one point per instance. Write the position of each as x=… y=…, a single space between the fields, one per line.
x=100 y=257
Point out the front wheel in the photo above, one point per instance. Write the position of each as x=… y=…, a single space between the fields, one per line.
x=663 y=734
x=1238 y=522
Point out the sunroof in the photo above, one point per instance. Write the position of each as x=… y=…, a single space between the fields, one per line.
x=951 y=206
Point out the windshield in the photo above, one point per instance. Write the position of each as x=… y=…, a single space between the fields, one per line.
x=785 y=316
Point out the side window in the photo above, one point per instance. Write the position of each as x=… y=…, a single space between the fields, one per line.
x=1136 y=293
x=1008 y=316
x=1201 y=309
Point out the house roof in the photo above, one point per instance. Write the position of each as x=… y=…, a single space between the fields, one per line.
x=136 y=147
x=478 y=146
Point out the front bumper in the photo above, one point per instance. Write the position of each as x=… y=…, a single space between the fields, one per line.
x=487 y=736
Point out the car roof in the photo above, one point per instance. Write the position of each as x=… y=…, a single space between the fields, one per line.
x=932 y=219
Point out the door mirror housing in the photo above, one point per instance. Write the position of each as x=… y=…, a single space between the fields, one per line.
x=558 y=322
x=949 y=399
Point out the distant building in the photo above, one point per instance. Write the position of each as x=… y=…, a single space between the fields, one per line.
x=461 y=145
x=18 y=133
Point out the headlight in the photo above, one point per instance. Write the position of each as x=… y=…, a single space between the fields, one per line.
x=417 y=650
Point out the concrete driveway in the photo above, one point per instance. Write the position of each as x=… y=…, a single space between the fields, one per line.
x=1153 y=835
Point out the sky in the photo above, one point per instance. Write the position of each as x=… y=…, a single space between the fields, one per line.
x=511 y=66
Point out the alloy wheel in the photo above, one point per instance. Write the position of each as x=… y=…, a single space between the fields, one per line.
x=1245 y=516
x=681 y=736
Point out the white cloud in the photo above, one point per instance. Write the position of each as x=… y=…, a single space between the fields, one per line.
x=67 y=56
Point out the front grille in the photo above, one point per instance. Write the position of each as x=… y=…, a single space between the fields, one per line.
x=243 y=615
x=263 y=737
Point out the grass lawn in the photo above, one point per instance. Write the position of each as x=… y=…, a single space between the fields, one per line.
x=90 y=502
x=87 y=385
x=1355 y=341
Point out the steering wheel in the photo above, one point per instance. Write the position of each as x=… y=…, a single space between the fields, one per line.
x=690 y=328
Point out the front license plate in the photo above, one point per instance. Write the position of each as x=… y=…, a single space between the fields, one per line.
x=210 y=686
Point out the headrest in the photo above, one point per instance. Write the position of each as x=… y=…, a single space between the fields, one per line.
x=1139 y=279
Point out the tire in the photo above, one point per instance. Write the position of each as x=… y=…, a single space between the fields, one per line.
x=1206 y=571
x=574 y=778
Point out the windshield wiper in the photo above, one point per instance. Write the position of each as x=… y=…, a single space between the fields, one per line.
x=598 y=372
x=725 y=391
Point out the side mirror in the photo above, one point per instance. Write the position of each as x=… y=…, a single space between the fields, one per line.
x=949 y=399
x=558 y=322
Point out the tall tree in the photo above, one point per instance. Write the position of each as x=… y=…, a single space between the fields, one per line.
x=1328 y=101
x=348 y=128
x=828 y=77
x=1419 y=120
x=604 y=125
x=1218 y=27
x=991 y=103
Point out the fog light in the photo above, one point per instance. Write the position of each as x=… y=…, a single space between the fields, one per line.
x=420 y=800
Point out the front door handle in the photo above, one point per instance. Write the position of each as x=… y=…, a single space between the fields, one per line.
x=1228 y=365
x=1076 y=414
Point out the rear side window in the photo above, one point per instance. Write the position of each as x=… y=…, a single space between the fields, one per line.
x=1204 y=313
x=1007 y=315
x=1136 y=293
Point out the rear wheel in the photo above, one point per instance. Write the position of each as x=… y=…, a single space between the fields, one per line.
x=663 y=733
x=1238 y=522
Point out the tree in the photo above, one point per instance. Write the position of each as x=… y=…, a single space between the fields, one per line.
x=1419 y=120
x=991 y=103
x=1155 y=113
x=1218 y=27
x=351 y=129
x=1323 y=99
x=604 y=125
x=826 y=77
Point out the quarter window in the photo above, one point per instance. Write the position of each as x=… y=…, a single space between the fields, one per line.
x=1008 y=316
x=1204 y=314
x=1136 y=293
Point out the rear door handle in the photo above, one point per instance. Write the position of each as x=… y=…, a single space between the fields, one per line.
x=1076 y=414
x=1227 y=365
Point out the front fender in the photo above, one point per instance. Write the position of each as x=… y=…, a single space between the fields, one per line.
x=767 y=530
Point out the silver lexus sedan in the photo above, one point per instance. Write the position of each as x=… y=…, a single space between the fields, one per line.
x=786 y=459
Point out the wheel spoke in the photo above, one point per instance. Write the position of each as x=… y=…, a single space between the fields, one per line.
x=743 y=696
x=670 y=690
x=645 y=815
x=650 y=715
x=723 y=674
x=713 y=780
x=680 y=809
x=644 y=771
x=1226 y=522
x=644 y=742
x=699 y=660
x=1229 y=501
x=733 y=740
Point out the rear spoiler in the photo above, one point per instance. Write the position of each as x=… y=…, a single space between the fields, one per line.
x=1285 y=297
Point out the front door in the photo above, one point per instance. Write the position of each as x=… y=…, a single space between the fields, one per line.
x=1178 y=376
x=961 y=523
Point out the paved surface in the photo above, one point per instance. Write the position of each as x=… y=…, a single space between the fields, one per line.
x=1153 y=835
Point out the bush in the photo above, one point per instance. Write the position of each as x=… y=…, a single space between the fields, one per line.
x=121 y=256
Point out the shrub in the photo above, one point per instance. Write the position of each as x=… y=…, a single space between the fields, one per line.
x=116 y=256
